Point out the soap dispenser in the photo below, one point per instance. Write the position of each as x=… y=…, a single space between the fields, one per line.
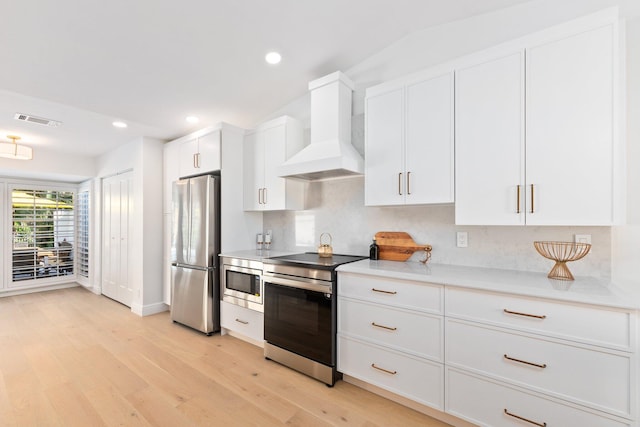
x=374 y=250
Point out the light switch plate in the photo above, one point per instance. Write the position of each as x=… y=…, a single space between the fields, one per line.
x=582 y=238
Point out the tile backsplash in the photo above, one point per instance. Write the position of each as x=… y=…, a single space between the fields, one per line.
x=337 y=207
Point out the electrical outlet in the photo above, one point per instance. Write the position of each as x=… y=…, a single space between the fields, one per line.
x=582 y=238
x=462 y=239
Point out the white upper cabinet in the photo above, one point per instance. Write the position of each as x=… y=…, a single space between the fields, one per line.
x=570 y=136
x=264 y=150
x=200 y=154
x=490 y=142
x=536 y=142
x=409 y=141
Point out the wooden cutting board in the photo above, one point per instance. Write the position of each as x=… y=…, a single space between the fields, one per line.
x=397 y=245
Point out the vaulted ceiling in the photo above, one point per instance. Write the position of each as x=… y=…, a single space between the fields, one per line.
x=151 y=63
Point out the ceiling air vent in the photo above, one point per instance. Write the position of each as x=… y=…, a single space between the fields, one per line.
x=37 y=120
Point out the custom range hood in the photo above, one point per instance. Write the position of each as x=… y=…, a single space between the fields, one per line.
x=330 y=153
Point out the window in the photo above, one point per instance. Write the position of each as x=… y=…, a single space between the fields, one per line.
x=82 y=237
x=43 y=233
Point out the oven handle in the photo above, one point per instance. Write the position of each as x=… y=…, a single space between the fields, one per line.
x=244 y=270
x=298 y=282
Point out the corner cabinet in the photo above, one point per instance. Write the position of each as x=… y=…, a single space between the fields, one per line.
x=536 y=138
x=266 y=148
x=409 y=141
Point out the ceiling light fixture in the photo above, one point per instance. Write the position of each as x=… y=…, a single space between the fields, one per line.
x=12 y=150
x=121 y=125
x=192 y=119
x=273 y=58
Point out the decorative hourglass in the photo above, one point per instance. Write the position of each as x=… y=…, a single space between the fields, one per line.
x=561 y=253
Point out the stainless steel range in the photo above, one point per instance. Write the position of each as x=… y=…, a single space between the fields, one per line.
x=300 y=312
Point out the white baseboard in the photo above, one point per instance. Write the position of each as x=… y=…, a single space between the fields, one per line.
x=149 y=309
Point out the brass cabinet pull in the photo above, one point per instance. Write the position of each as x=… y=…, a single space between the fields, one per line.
x=244 y=322
x=259 y=196
x=518 y=199
x=194 y=160
x=400 y=184
x=408 y=183
x=198 y=160
x=517 y=313
x=384 y=292
x=373 y=365
x=537 y=365
x=264 y=195
x=524 y=419
x=532 y=209
x=383 y=327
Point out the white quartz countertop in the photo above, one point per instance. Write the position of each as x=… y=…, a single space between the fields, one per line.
x=254 y=254
x=588 y=290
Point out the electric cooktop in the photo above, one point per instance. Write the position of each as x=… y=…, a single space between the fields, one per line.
x=314 y=260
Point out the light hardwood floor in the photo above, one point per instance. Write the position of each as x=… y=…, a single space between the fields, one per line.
x=72 y=358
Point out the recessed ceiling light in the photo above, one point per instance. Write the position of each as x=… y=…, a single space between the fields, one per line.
x=119 y=124
x=192 y=119
x=273 y=58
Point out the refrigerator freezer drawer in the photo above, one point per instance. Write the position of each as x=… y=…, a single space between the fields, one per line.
x=192 y=299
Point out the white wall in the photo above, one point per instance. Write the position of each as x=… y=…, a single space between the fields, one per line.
x=337 y=207
x=143 y=156
x=51 y=166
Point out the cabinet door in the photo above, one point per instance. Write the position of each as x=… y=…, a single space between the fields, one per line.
x=274 y=152
x=429 y=141
x=384 y=161
x=253 y=172
x=188 y=151
x=490 y=142
x=209 y=152
x=570 y=107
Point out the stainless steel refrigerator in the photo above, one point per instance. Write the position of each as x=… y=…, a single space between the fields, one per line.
x=195 y=280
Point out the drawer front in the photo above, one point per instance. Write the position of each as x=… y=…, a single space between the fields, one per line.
x=414 y=378
x=400 y=293
x=583 y=375
x=603 y=327
x=414 y=332
x=249 y=323
x=484 y=402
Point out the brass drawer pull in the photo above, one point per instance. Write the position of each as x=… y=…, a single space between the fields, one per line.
x=517 y=313
x=524 y=419
x=383 y=327
x=537 y=365
x=244 y=322
x=408 y=183
x=532 y=209
x=518 y=199
x=400 y=184
x=373 y=365
x=384 y=292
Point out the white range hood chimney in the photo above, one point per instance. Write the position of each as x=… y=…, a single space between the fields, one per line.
x=330 y=153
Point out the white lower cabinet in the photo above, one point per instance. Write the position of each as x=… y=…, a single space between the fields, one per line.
x=409 y=376
x=246 y=322
x=486 y=357
x=390 y=334
x=590 y=376
x=490 y=403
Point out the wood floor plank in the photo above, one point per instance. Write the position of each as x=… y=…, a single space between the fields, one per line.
x=73 y=358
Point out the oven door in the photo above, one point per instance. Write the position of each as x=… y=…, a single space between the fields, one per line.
x=299 y=320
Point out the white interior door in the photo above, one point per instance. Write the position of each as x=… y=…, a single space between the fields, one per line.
x=115 y=254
